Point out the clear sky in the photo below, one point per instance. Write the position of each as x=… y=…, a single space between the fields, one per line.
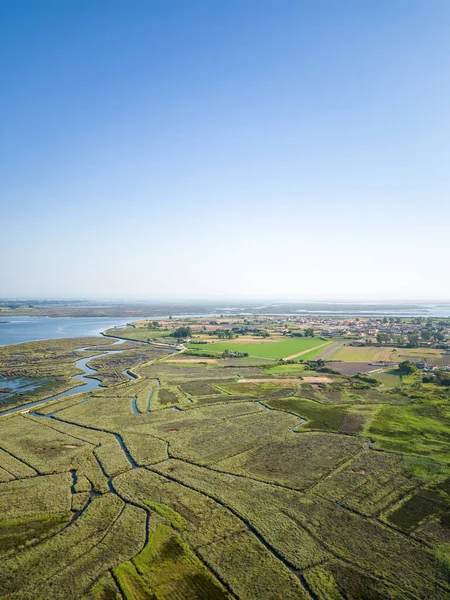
x=225 y=148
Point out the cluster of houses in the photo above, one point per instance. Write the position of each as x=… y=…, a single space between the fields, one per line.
x=369 y=328
x=426 y=368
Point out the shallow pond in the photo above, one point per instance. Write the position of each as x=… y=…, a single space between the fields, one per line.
x=11 y=386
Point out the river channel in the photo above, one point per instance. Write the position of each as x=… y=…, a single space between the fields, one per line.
x=87 y=384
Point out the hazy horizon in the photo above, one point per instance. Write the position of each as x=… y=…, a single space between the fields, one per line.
x=215 y=150
x=211 y=299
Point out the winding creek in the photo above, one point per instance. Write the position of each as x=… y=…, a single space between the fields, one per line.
x=87 y=384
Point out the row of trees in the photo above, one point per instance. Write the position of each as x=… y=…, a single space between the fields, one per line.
x=412 y=340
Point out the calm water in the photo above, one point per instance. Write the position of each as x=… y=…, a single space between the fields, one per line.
x=10 y=386
x=29 y=329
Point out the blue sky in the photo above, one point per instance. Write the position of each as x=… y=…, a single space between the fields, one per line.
x=225 y=148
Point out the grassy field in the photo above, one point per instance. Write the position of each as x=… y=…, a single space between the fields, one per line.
x=388 y=354
x=225 y=479
x=141 y=334
x=267 y=348
x=390 y=378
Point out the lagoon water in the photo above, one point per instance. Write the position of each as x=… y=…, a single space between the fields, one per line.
x=14 y=330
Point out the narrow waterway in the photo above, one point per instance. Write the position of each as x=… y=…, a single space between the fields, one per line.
x=87 y=383
x=152 y=391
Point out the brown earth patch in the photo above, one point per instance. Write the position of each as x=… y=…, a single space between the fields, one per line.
x=352 y=368
x=286 y=380
x=192 y=360
x=269 y=380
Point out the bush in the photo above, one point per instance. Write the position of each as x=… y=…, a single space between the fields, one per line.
x=182 y=332
x=406 y=367
x=200 y=353
x=233 y=354
x=442 y=377
x=366 y=379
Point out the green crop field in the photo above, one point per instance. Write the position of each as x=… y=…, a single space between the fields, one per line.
x=223 y=480
x=141 y=334
x=266 y=348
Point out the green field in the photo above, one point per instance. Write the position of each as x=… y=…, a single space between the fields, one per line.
x=390 y=378
x=140 y=334
x=265 y=349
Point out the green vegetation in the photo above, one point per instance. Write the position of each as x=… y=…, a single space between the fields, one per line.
x=420 y=429
x=182 y=332
x=318 y=416
x=390 y=378
x=167 y=568
x=233 y=478
x=406 y=367
x=140 y=334
x=265 y=349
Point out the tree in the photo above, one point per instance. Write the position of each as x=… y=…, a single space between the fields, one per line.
x=182 y=332
x=413 y=340
x=406 y=367
x=382 y=337
x=400 y=340
x=426 y=335
x=442 y=377
x=308 y=332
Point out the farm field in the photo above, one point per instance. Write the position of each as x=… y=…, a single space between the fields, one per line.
x=265 y=348
x=141 y=334
x=385 y=354
x=224 y=480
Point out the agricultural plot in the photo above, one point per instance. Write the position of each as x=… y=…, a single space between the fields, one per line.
x=365 y=354
x=142 y=334
x=352 y=368
x=265 y=348
x=225 y=480
x=371 y=354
